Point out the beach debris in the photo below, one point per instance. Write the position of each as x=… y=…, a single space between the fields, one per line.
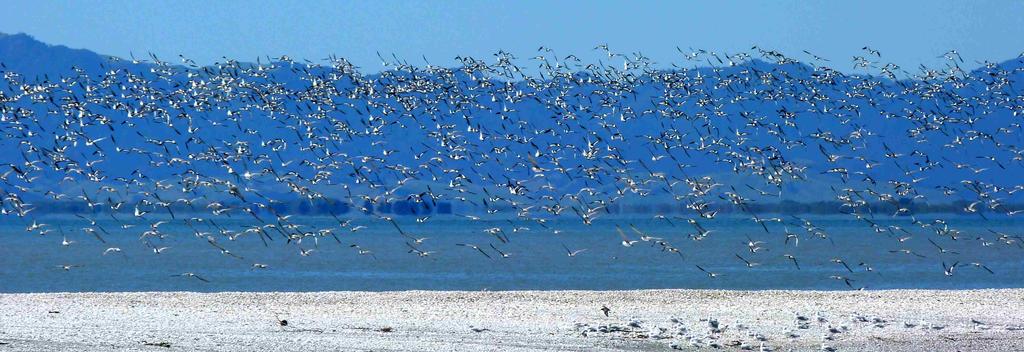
x=157 y=344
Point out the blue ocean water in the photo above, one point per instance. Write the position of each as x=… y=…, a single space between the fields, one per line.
x=537 y=256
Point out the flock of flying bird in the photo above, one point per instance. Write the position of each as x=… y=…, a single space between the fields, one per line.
x=146 y=142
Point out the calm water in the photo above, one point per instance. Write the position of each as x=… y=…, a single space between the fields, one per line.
x=30 y=262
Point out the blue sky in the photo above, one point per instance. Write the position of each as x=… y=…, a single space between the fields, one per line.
x=906 y=32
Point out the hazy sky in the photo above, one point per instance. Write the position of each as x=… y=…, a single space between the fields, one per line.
x=906 y=32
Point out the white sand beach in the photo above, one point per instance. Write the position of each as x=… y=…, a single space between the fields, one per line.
x=650 y=320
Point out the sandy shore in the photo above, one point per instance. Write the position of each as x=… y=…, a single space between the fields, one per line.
x=515 y=321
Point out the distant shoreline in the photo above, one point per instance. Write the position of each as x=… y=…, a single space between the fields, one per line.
x=328 y=207
x=646 y=320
